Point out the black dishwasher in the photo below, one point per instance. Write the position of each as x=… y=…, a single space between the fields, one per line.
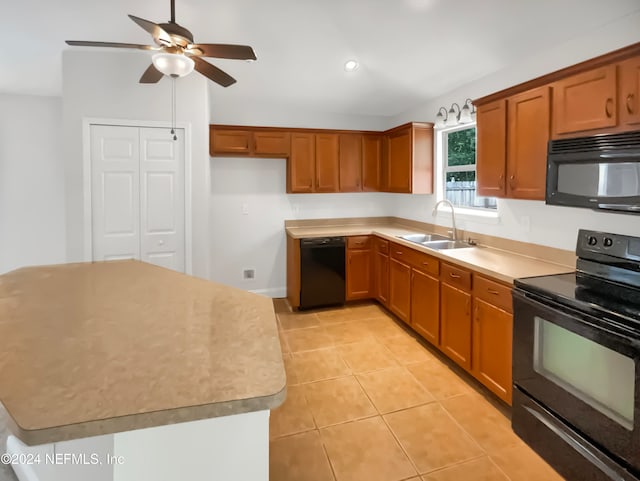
x=322 y=272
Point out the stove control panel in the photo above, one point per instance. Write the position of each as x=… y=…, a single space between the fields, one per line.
x=593 y=245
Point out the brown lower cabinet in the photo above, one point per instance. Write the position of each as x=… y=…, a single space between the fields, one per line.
x=400 y=289
x=425 y=306
x=381 y=270
x=455 y=324
x=358 y=268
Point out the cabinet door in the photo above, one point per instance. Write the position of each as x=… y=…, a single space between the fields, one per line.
x=400 y=289
x=629 y=92
x=586 y=101
x=399 y=161
x=382 y=277
x=491 y=149
x=350 y=162
x=231 y=141
x=425 y=306
x=358 y=274
x=529 y=118
x=492 y=330
x=371 y=162
x=301 y=163
x=327 y=163
x=455 y=324
x=271 y=143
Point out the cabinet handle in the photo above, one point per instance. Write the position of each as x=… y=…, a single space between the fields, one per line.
x=512 y=182
x=475 y=313
x=492 y=291
x=629 y=103
x=398 y=253
x=607 y=107
x=454 y=276
x=425 y=263
x=501 y=181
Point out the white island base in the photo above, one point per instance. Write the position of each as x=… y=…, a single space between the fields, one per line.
x=225 y=448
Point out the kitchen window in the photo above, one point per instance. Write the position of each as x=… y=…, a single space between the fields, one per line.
x=457 y=151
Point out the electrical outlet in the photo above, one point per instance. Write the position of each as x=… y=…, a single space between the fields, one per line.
x=248 y=274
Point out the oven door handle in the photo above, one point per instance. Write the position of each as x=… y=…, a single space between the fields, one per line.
x=576 y=445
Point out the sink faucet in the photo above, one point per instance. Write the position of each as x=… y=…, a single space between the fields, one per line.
x=454 y=235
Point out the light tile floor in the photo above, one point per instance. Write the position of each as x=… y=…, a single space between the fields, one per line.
x=367 y=401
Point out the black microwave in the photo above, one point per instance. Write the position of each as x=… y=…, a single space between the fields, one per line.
x=598 y=172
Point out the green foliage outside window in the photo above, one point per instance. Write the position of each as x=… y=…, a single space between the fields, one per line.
x=462 y=147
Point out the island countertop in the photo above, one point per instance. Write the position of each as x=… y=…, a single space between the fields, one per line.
x=97 y=348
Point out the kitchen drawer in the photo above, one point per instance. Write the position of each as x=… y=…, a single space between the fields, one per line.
x=455 y=276
x=359 y=242
x=402 y=253
x=492 y=292
x=426 y=263
x=382 y=245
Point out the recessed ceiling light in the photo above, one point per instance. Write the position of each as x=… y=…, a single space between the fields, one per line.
x=351 y=65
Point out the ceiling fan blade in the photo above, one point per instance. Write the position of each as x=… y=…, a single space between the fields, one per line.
x=212 y=72
x=157 y=32
x=81 y=43
x=151 y=75
x=220 y=50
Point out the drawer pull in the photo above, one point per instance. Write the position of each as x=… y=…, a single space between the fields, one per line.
x=493 y=291
x=425 y=263
x=399 y=253
x=454 y=276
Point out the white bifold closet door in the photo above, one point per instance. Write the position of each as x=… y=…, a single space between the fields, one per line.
x=137 y=195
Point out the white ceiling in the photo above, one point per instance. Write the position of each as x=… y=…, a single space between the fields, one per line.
x=409 y=50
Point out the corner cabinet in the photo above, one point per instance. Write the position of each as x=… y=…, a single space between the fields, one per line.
x=358 y=268
x=408 y=159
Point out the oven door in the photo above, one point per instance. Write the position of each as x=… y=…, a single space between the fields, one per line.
x=583 y=369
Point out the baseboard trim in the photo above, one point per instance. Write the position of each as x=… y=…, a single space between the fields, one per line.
x=274 y=292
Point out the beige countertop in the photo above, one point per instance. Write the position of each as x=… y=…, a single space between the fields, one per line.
x=98 y=348
x=496 y=263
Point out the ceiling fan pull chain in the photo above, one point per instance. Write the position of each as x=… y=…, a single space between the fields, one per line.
x=173 y=108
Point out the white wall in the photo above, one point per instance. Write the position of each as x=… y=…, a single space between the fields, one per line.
x=32 y=215
x=257 y=240
x=549 y=225
x=99 y=84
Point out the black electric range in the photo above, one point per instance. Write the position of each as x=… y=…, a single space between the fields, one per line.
x=576 y=361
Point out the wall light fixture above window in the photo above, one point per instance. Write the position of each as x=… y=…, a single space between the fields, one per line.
x=456 y=115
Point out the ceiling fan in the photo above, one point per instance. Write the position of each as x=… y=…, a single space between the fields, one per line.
x=177 y=54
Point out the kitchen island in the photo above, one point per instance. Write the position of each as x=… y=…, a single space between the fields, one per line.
x=138 y=371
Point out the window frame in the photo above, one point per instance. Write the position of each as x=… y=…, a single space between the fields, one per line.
x=442 y=170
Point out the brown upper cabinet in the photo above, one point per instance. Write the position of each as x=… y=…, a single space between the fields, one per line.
x=327 y=166
x=629 y=92
x=512 y=145
x=313 y=163
x=371 y=162
x=254 y=141
x=301 y=174
x=586 y=101
x=491 y=149
x=408 y=159
x=351 y=162
x=227 y=141
x=528 y=117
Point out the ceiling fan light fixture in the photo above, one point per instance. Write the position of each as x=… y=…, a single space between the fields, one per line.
x=173 y=64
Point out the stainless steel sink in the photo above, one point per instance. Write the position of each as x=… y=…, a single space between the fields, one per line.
x=446 y=244
x=422 y=238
